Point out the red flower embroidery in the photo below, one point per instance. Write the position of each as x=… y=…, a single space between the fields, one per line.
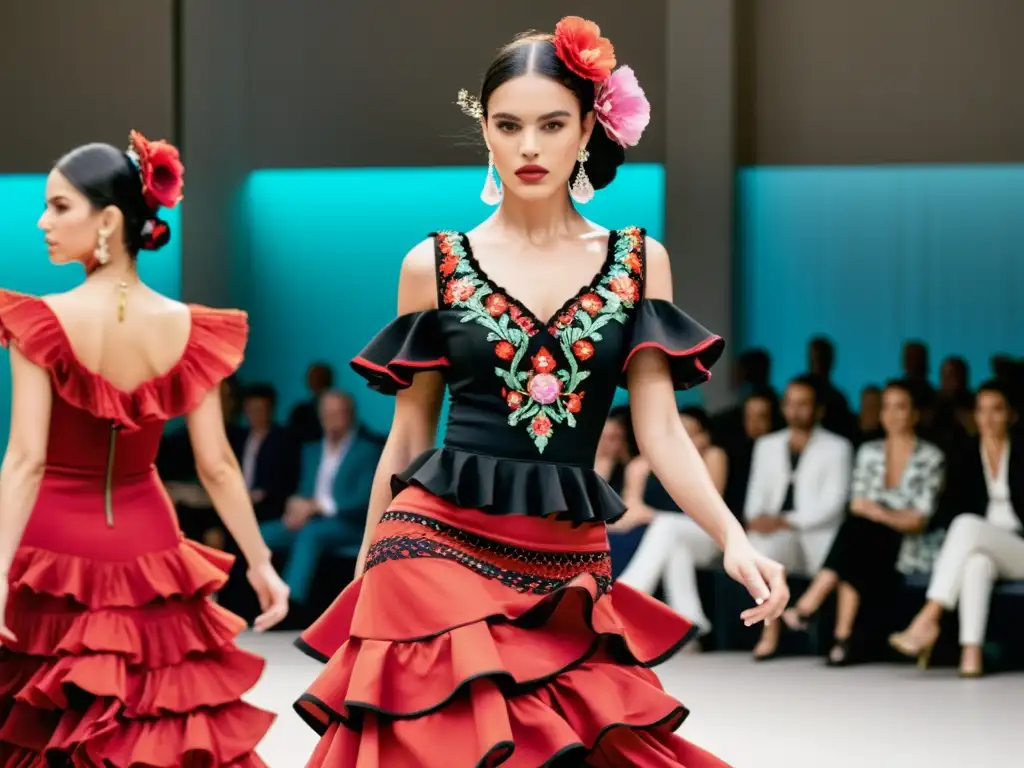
x=625 y=288
x=573 y=402
x=459 y=290
x=632 y=261
x=591 y=303
x=543 y=361
x=444 y=246
x=514 y=400
x=504 y=350
x=521 y=320
x=449 y=264
x=541 y=425
x=583 y=349
x=496 y=305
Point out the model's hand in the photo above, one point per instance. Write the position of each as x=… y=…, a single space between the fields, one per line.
x=6 y=636
x=272 y=594
x=765 y=579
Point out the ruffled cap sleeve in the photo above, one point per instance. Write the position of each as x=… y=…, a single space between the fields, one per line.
x=408 y=345
x=215 y=350
x=691 y=348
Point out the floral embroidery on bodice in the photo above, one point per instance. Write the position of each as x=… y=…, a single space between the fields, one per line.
x=529 y=396
x=543 y=389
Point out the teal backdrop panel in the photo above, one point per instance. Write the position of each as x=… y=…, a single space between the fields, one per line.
x=871 y=256
x=24 y=265
x=324 y=251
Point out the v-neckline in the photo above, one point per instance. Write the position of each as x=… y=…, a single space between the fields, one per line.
x=482 y=275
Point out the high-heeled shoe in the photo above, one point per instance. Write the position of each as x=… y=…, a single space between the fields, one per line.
x=919 y=645
x=796 y=620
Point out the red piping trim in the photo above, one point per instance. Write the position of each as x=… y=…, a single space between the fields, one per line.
x=440 y=362
x=675 y=352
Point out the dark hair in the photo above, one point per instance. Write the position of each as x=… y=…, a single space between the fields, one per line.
x=913 y=392
x=809 y=381
x=996 y=387
x=762 y=393
x=699 y=415
x=261 y=392
x=106 y=176
x=825 y=350
x=535 y=54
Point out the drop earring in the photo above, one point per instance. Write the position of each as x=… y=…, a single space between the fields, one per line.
x=582 y=191
x=101 y=253
x=491 y=193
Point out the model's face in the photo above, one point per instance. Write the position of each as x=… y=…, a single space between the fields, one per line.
x=533 y=126
x=70 y=224
x=992 y=415
x=898 y=413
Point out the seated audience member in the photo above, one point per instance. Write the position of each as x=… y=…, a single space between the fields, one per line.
x=673 y=546
x=896 y=483
x=799 y=485
x=269 y=454
x=750 y=373
x=304 y=420
x=836 y=416
x=757 y=422
x=869 y=420
x=986 y=538
x=613 y=452
x=329 y=510
x=954 y=404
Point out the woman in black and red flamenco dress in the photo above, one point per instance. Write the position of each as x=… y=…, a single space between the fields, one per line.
x=484 y=628
x=111 y=652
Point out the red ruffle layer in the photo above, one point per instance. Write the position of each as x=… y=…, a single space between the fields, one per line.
x=511 y=679
x=126 y=664
x=215 y=349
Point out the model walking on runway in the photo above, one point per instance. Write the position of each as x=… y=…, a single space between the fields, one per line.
x=483 y=628
x=111 y=652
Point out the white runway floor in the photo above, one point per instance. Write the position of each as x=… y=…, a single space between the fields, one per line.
x=784 y=714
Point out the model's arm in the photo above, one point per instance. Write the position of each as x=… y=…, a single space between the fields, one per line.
x=25 y=460
x=221 y=478
x=417 y=408
x=677 y=464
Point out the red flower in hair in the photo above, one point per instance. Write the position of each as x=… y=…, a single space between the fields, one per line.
x=161 y=170
x=578 y=43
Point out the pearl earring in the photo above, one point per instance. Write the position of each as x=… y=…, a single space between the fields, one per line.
x=582 y=191
x=101 y=253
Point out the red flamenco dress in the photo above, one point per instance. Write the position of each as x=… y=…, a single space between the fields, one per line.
x=486 y=629
x=122 y=659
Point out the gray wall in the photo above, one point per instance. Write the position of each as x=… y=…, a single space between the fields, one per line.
x=74 y=72
x=876 y=81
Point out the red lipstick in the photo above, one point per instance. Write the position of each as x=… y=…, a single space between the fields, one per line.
x=532 y=174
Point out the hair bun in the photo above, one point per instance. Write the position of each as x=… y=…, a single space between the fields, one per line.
x=156 y=233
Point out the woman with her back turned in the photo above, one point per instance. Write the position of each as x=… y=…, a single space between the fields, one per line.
x=484 y=628
x=111 y=652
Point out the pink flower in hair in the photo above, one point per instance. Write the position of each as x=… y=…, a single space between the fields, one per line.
x=622 y=107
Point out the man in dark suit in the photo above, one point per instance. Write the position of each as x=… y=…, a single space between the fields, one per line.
x=329 y=510
x=268 y=453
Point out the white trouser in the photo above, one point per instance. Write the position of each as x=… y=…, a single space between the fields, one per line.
x=671 y=550
x=974 y=555
x=801 y=552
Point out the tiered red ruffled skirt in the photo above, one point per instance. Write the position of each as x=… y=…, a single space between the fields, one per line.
x=125 y=662
x=478 y=641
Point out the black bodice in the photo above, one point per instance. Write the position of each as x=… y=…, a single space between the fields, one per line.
x=529 y=398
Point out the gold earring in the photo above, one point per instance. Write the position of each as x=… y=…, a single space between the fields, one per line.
x=582 y=191
x=101 y=253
